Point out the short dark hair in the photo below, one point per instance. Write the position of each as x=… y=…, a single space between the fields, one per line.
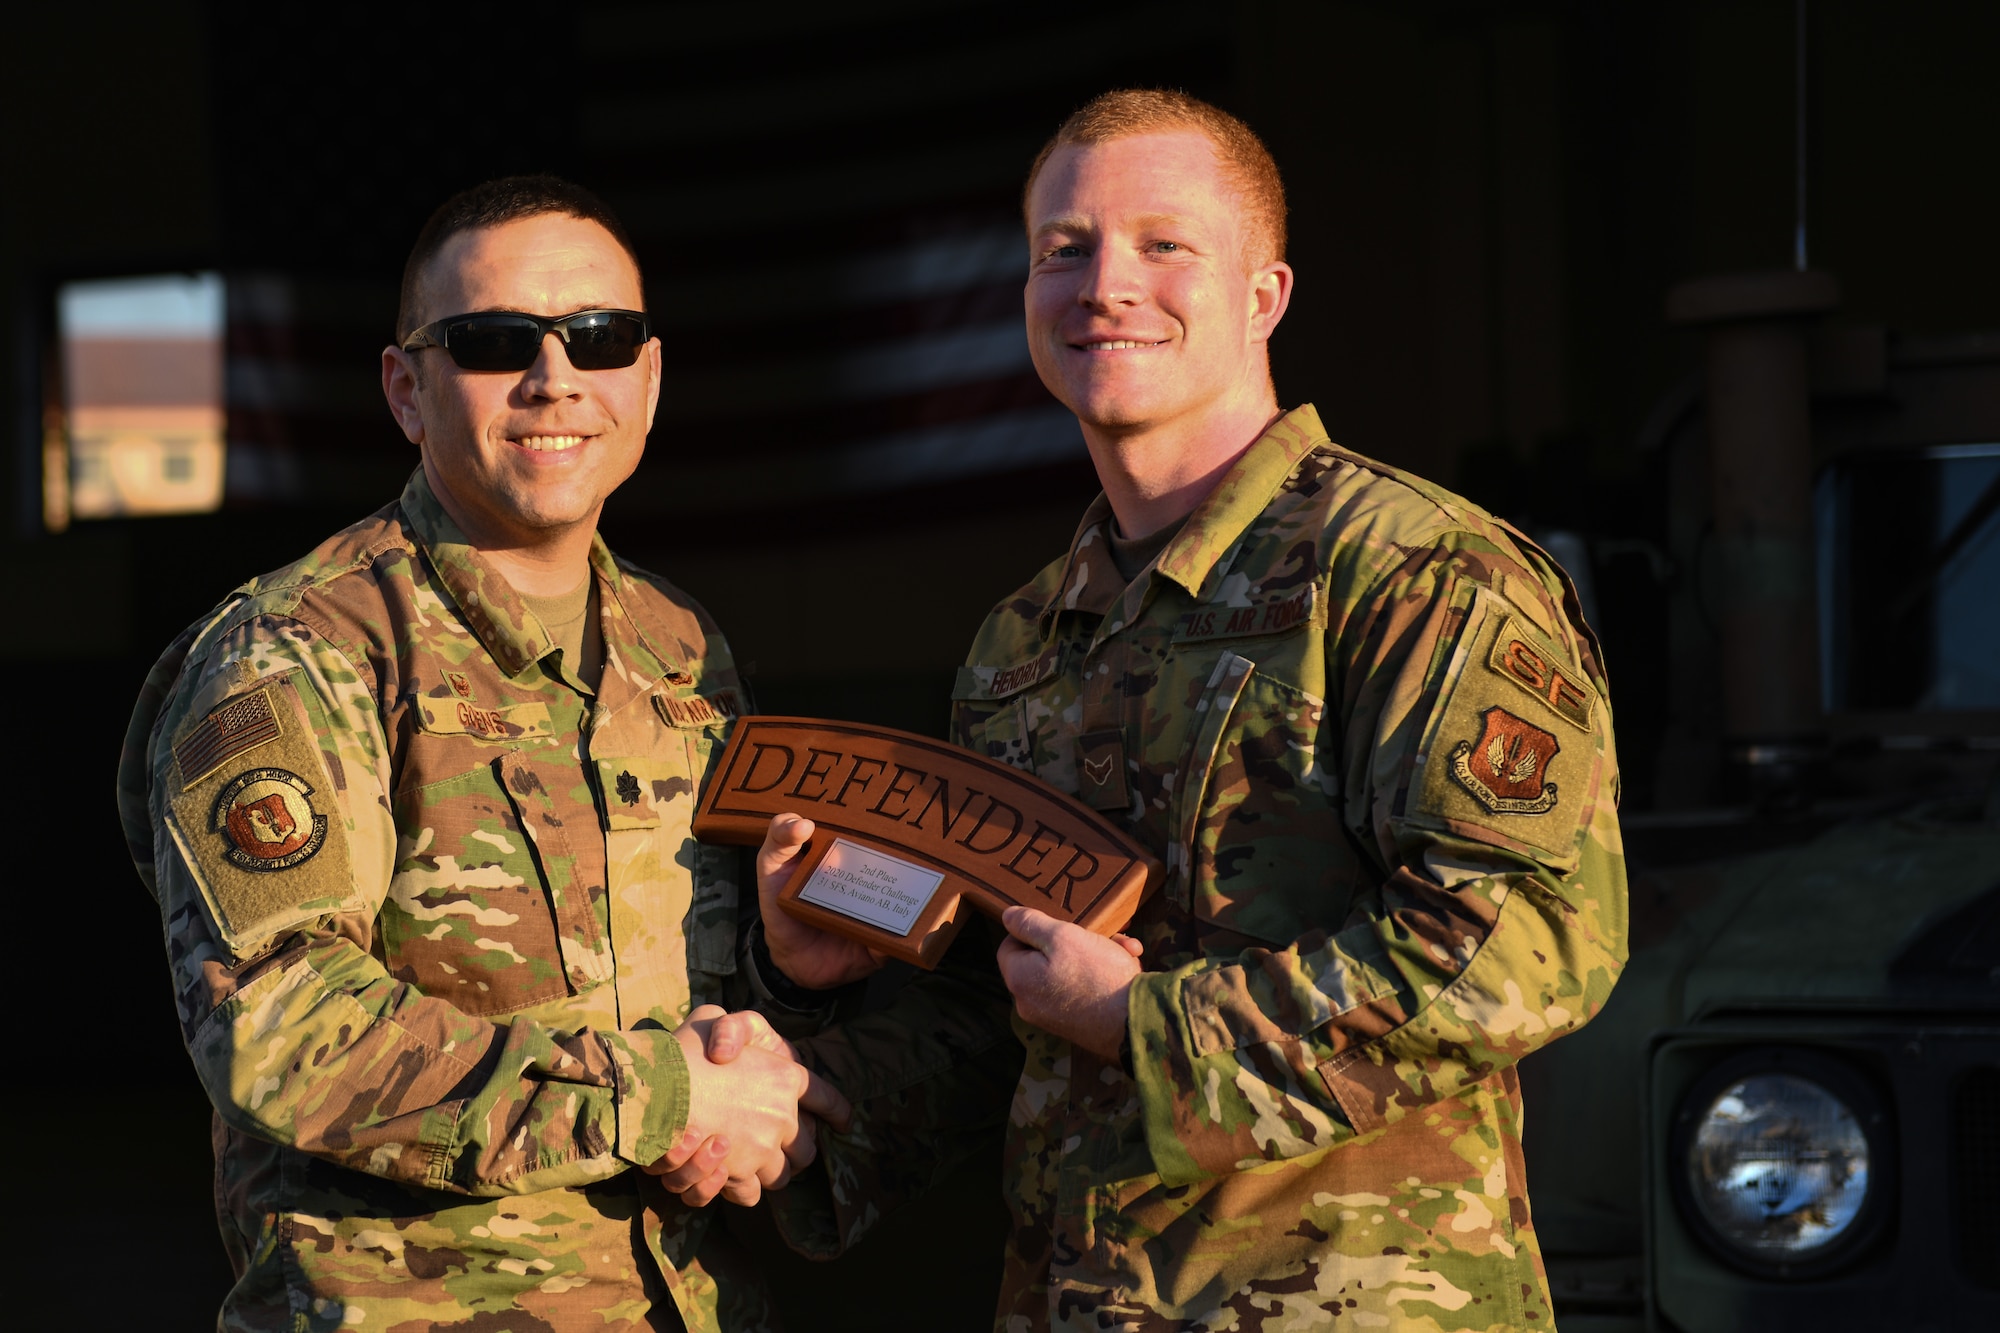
x=508 y=199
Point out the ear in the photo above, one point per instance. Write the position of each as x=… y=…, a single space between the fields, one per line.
x=1270 y=294
x=399 y=386
x=652 y=379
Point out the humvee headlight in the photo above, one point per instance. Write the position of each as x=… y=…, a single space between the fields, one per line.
x=1777 y=1166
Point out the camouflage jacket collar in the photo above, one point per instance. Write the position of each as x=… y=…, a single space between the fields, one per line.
x=508 y=630
x=1091 y=582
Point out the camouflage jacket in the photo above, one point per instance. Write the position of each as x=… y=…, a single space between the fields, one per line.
x=1364 y=725
x=432 y=911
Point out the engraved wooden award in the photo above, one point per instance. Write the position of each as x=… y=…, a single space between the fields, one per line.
x=912 y=832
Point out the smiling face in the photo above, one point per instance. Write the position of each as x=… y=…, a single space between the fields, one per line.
x=1143 y=311
x=522 y=459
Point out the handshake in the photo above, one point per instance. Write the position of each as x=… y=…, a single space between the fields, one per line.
x=753 y=1110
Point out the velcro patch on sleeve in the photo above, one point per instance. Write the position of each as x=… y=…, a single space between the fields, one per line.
x=259 y=828
x=1512 y=748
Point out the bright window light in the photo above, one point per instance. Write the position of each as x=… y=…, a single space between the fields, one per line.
x=141 y=427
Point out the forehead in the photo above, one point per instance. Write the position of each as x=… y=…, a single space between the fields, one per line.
x=1174 y=174
x=550 y=264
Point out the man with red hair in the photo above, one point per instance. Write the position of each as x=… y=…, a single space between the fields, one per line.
x=1365 y=727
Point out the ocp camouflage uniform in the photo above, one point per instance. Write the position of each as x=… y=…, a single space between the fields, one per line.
x=432 y=912
x=1366 y=729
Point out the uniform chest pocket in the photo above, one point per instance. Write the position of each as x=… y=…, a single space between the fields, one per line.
x=652 y=855
x=1259 y=850
x=1024 y=715
x=469 y=916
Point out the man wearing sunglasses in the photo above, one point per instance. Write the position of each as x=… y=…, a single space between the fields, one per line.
x=416 y=811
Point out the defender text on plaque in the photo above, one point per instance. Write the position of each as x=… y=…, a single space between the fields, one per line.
x=911 y=830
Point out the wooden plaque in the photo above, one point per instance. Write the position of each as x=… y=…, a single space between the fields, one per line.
x=910 y=831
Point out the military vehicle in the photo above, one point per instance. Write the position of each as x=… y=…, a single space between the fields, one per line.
x=1788 y=1116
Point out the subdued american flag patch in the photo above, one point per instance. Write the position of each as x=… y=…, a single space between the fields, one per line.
x=239 y=725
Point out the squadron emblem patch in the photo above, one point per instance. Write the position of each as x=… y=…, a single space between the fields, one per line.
x=266 y=822
x=1507 y=768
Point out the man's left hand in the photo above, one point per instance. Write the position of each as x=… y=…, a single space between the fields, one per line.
x=1068 y=980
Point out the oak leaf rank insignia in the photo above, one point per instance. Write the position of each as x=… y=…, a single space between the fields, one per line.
x=1506 y=768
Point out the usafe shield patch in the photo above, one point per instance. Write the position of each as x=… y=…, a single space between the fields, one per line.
x=254 y=817
x=1513 y=747
x=1507 y=768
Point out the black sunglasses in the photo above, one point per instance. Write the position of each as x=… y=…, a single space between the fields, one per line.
x=510 y=340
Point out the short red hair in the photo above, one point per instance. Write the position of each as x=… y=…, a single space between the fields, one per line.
x=1244 y=160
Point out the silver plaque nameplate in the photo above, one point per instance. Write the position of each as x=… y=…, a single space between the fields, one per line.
x=886 y=891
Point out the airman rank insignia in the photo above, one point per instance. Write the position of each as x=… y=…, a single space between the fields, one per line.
x=1100 y=770
x=266 y=822
x=1507 y=768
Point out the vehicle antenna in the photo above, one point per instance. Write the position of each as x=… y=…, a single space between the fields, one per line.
x=1799 y=226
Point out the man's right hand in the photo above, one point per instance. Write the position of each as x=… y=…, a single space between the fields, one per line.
x=811 y=957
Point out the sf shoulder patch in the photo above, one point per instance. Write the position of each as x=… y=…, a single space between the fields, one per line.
x=1514 y=748
x=254 y=816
